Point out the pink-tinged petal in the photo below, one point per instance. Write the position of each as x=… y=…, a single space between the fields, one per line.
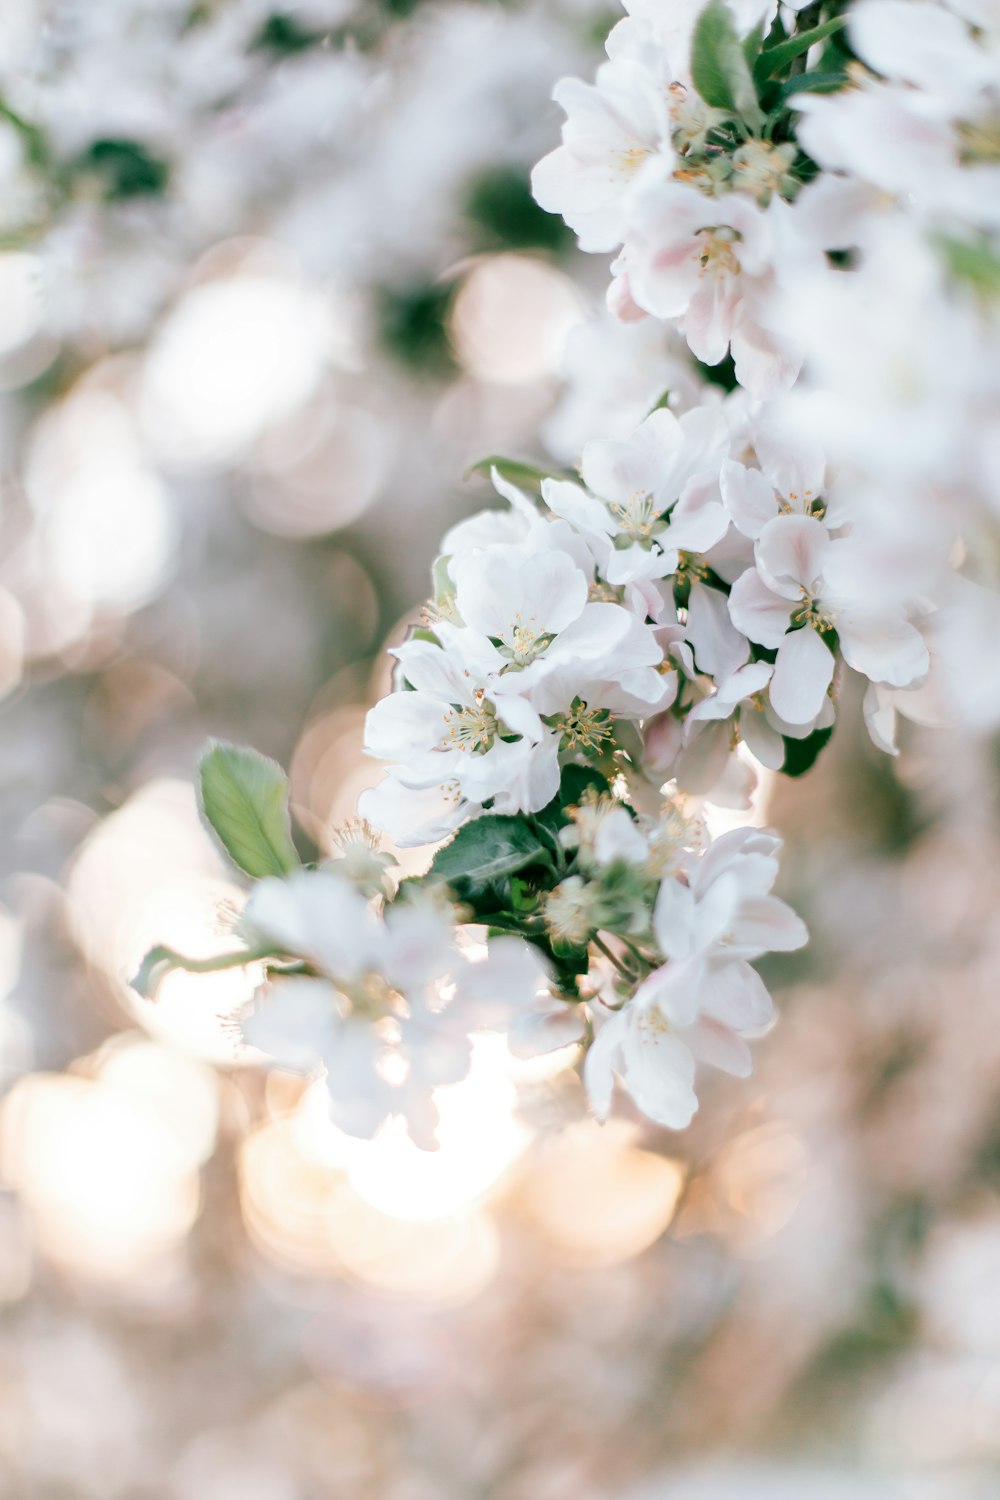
x=766 y=925
x=764 y=367
x=761 y=614
x=719 y=648
x=620 y=302
x=885 y=647
x=735 y=995
x=749 y=498
x=705 y=760
x=803 y=671
x=719 y=1047
x=662 y=742
x=711 y=317
x=698 y=521
x=638 y=693
x=791 y=552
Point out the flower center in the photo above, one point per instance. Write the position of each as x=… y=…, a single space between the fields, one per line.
x=471 y=729
x=584 y=728
x=637 y=516
x=715 y=252
x=522 y=641
x=626 y=163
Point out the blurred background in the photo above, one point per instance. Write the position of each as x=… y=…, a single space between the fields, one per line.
x=271 y=280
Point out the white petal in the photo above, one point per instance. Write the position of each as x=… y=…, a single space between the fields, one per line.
x=791 y=552
x=749 y=497
x=803 y=670
x=721 y=1048
x=603 y=1057
x=673 y=919
x=719 y=648
x=758 y=611
x=885 y=647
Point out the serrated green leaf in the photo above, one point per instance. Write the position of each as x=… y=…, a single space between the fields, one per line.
x=243 y=798
x=801 y=755
x=486 y=850
x=773 y=59
x=526 y=476
x=161 y=961
x=719 y=69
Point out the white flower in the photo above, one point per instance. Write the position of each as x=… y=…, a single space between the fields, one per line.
x=453 y=736
x=805 y=585
x=511 y=991
x=928 y=135
x=612 y=128
x=317 y=915
x=791 y=479
x=710 y=264
x=557 y=646
x=742 y=699
x=614 y=374
x=706 y=1000
x=378 y=1021
x=667 y=465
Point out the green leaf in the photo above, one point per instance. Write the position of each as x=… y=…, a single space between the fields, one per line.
x=243 y=798
x=161 y=961
x=574 y=783
x=752 y=43
x=719 y=70
x=974 y=263
x=577 y=781
x=824 y=82
x=526 y=476
x=801 y=755
x=773 y=59
x=486 y=850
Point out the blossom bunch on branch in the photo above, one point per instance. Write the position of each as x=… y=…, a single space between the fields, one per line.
x=619 y=641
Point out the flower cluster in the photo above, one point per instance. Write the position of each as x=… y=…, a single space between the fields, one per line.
x=643 y=631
